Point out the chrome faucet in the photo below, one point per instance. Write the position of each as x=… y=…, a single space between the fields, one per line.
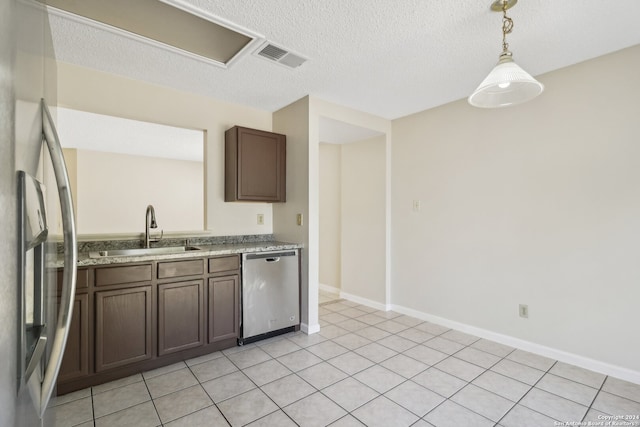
x=150 y=222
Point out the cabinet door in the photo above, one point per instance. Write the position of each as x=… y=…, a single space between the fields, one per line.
x=75 y=362
x=180 y=316
x=255 y=165
x=224 y=308
x=123 y=327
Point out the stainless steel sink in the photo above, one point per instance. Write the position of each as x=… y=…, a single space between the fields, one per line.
x=142 y=251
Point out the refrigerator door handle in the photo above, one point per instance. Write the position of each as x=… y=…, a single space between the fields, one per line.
x=70 y=258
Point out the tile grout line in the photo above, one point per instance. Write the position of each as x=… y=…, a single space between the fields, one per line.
x=532 y=387
x=93 y=411
x=153 y=402
x=470 y=383
x=250 y=379
x=594 y=399
x=205 y=391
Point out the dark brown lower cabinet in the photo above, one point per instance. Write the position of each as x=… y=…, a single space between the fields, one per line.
x=75 y=363
x=224 y=308
x=133 y=317
x=180 y=316
x=123 y=327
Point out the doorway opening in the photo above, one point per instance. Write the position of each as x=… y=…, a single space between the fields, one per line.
x=352 y=212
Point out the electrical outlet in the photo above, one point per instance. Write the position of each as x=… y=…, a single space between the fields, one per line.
x=260 y=219
x=523 y=309
x=416 y=205
x=299 y=218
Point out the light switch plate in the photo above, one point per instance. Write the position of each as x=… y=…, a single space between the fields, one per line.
x=299 y=219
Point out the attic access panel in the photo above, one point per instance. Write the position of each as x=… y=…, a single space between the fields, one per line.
x=164 y=23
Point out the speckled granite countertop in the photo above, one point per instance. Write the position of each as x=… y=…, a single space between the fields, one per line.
x=206 y=248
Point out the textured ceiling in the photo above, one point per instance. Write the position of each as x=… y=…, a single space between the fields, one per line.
x=386 y=57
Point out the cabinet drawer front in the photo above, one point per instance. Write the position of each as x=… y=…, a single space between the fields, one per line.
x=180 y=268
x=123 y=274
x=82 y=281
x=226 y=263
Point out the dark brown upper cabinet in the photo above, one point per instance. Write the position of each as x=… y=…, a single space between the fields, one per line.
x=255 y=165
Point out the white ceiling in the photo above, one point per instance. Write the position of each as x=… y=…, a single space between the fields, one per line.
x=390 y=58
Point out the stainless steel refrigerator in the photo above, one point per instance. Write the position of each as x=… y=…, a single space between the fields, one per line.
x=34 y=317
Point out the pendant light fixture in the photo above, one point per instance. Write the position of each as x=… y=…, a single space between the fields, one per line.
x=507 y=84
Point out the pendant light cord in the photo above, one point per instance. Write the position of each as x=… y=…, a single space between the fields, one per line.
x=507 y=27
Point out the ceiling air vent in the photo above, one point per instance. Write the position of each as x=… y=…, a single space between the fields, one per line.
x=279 y=55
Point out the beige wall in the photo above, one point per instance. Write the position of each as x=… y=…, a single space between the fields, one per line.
x=173 y=187
x=363 y=227
x=293 y=121
x=330 y=215
x=89 y=90
x=537 y=204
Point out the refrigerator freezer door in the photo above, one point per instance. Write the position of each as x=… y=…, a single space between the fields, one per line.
x=25 y=52
x=43 y=336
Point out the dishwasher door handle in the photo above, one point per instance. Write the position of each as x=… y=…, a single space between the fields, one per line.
x=276 y=259
x=269 y=255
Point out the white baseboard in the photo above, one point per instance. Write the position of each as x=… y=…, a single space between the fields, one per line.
x=328 y=288
x=365 y=301
x=552 y=353
x=309 y=329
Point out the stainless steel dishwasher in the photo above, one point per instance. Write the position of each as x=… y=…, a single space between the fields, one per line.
x=270 y=294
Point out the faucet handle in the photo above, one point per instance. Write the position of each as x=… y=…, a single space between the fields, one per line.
x=157 y=239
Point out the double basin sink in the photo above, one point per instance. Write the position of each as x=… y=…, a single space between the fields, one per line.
x=143 y=251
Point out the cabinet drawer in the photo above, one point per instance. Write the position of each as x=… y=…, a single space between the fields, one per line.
x=226 y=263
x=180 y=268
x=123 y=274
x=82 y=281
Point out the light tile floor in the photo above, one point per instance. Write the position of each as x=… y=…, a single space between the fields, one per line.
x=365 y=367
x=325 y=297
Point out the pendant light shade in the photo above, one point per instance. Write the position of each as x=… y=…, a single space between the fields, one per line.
x=507 y=84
